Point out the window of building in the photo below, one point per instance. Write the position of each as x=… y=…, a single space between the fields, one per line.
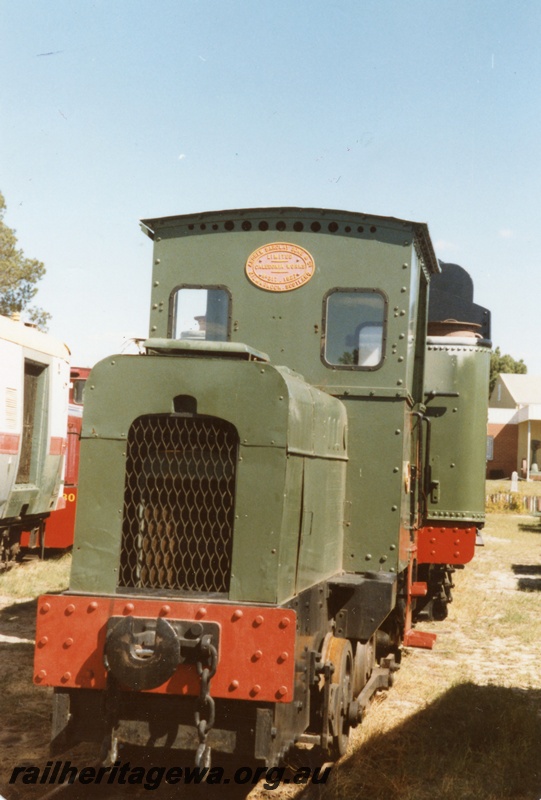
x=354 y=328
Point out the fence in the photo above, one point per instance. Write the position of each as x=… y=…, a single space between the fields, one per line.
x=514 y=501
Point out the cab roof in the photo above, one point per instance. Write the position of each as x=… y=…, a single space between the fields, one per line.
x=289 y=218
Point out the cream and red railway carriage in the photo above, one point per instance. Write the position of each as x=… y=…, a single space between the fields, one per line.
x=34 y=383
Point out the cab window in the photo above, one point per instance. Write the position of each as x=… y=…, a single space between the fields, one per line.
x=354 y=326
x=201 y=313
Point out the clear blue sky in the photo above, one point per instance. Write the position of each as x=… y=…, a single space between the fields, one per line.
x=114 y=110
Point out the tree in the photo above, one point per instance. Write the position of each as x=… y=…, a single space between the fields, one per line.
x=504 y=363
x=18 y=277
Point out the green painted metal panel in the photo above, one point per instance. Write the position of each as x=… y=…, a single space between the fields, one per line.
x=291 y=526
x=321 y=540
x=199 y=348
x=258 y=534
x=295 y=414
x=458 y=427
x=379 y=454
x=270 y=408
x=317 y=423
x=98 y=528
x=348 y=250
x=132 y=386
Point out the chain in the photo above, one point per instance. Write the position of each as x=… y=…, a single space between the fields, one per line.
x=206 y=711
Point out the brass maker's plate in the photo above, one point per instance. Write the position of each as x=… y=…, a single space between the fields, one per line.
x=280 y=267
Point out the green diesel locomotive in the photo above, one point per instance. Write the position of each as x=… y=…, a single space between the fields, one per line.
x=272 y=492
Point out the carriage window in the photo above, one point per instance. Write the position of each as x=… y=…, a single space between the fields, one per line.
x=78 y=392
x=355 y=328
x=201 y=314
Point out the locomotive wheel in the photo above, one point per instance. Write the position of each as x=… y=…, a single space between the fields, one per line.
x=340 y=653
x=365 y=659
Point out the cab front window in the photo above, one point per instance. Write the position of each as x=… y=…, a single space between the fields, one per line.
x=354 y=326
x=201 y=313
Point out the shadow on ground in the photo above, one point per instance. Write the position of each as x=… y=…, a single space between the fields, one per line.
x=473 y=743
x=19 y=619
x=530 y=527
x=528 y=583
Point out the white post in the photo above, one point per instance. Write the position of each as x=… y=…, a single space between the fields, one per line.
x=529 y=449
x=514 y=481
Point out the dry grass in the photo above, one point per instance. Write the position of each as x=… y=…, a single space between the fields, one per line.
x=529 y=488
x=472 y=742
x=35 y=577
x=500 y=497
x=464 y=721
x=26 y=709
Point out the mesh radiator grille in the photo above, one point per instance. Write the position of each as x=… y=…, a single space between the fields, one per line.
x=179 y=494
